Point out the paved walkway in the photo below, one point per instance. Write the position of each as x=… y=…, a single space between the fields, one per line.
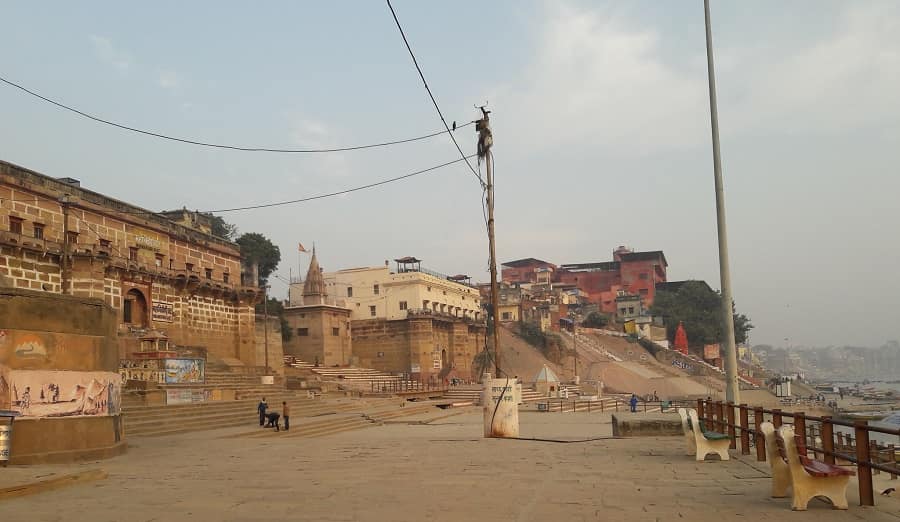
x=439 y=471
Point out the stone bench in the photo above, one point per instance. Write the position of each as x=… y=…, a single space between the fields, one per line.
x=627 y=424
x=809 y=477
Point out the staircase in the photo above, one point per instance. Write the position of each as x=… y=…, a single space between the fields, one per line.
x=471 y=394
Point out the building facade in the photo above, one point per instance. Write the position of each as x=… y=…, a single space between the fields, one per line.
x=602 y=282
x=158 y=271
x=411 y=320
x=321 y=329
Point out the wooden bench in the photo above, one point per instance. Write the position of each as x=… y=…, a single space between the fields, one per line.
x=707 y=442
x=781 y=474
x=809 y=477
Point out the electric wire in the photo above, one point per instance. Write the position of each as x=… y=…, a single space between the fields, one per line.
x=430 y=95
x=224 y=146
x=277 y=203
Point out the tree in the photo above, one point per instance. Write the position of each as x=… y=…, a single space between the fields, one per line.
x=276 y=309
x=256 y=247
x=222 y=228
x=595 y=320
x=698 y=307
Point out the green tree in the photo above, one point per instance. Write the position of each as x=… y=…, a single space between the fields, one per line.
x=697 y=307
x=595 y=320
x=222 y=228
x=276 y=309
x=257 y=247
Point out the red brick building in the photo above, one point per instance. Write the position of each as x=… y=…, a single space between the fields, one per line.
x=528 y=270
x=631 y=273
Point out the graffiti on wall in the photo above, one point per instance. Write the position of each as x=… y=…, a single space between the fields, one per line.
x=59 y=393
x=179 y=371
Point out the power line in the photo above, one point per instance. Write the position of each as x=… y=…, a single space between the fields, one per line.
x=436 y=107
x=229 y=147
x=278 y=203
x=340 y=192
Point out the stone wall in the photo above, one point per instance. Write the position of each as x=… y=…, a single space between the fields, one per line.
x=422 y=346
x=319 y=334
x=59 y=369
x=275 y=347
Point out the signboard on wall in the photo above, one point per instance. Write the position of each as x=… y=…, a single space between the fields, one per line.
x=181 y=371
x=163 y=312
x=711 y=351
x=147 y=242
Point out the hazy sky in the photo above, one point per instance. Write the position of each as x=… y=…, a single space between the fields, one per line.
x=601 y=125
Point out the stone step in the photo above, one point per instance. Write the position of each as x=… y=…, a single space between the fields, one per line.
x=188 y=416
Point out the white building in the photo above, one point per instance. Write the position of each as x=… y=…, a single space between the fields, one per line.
x=379 y=293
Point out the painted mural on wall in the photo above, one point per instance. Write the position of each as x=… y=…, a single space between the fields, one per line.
x=58 y=393
x=179 y=371
x=23 y=349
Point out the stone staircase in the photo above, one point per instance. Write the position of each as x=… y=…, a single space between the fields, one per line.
x=358 y=379
x=471 y=394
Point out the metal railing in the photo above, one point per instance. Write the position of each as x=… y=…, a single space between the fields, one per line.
x=601 y=405
x=404 y=386
x=836 y=446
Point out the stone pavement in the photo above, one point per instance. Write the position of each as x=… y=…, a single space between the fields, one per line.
x=443 y=470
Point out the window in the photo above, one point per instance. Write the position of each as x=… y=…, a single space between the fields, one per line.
x=189 y=267
x=209 y=273
x=15 y=225
x=643 y=291
x=429 y=288
x=132 y=253
x=104 y=243
x=302 y=332
x=375 y=289
x=335 y=331
x=349 y=291
x=622 y=311
x=505 y=316
x=372 y=311
x=72 y=237
x=225 y=277
x=126 y=310
x=403 y=305
x=644 y=276
x=159 y=260
x=630 y=309
x=38 y=231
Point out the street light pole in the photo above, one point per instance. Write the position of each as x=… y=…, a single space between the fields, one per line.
x=732 y=389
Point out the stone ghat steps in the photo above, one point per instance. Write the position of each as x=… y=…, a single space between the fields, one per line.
x=385 y=415
x=317 y=428
x=247 y=407
x=230 y=414
x=474 y=395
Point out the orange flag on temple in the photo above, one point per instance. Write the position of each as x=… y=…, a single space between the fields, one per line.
x=681 y=341
x=300 y=247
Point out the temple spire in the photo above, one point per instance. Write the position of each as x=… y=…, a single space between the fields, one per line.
x=314 y=286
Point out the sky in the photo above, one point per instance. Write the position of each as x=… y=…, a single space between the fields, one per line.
x=600 y=120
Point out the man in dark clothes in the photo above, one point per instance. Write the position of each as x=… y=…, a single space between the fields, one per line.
x=286 y=413
x=261 y=408
x=273 y=420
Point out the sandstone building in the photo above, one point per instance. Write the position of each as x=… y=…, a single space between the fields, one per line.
x=410 y=320
x=158 y=271
x=321 y=328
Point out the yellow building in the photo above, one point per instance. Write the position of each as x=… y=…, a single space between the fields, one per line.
x=411 y=320
x=379 y=293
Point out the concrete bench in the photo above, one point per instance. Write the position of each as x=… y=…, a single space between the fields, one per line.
x=809 y=477
x=781 y=474
x=689 y=441
x=708 y=441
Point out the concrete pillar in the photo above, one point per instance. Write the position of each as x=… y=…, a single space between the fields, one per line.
x=500 y=407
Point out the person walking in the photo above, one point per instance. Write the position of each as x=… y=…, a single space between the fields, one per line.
x=261 y=408
x=286 y=415
x=633 y=402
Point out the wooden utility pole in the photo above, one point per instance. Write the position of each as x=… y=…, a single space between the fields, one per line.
x=485 y=143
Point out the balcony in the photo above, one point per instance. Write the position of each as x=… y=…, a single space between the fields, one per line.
x=30 y=243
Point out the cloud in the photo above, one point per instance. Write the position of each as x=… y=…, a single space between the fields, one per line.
x=107 y=52
x=311 y=134
x=835 y=84
x=596 y=81
x=168 y=79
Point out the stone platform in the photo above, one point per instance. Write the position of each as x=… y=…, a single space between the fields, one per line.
x=438 y=470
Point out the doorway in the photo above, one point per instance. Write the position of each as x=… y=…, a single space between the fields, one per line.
x=134 y=308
